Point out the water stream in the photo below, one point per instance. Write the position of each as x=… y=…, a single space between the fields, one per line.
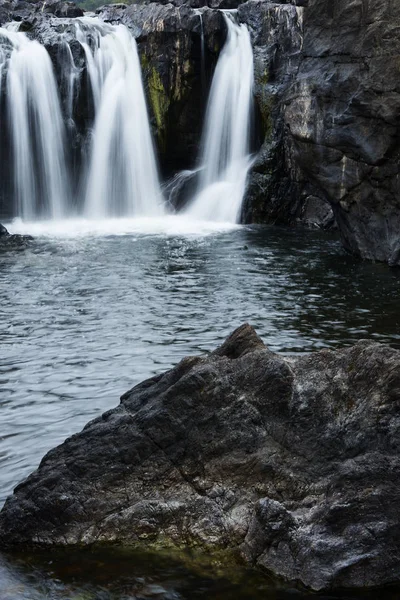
x=225 y=158
x=119 y=178
x=122 y=178
x=40 y=173
x=202 y=51
x=87 y=313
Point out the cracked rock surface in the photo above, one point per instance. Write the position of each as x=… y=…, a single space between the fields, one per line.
x=328 y=88
x=347 y=139
x=291 y=461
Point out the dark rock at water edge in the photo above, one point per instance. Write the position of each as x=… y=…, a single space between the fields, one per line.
x=327 y=87
x=291 y=461
x=10 y=241
x=274 y=194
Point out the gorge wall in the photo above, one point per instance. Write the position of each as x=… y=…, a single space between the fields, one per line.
x=327 y=102
x=329 y=75
x=341 y=115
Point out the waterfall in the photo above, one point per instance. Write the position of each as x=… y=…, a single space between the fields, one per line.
x=36 y=125
x=118 y=177
x=225 y=158
x=69 y=74
x=122 y=178
x=202 y=49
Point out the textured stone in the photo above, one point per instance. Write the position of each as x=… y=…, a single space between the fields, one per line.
x=328 y=75
x=10 y=241
x=292 y=461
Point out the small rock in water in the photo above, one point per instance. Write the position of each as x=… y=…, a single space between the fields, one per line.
x=152 y=591
x=10 y=241
x=3 y=230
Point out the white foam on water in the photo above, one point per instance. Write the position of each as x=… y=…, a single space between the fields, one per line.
x=168 y=225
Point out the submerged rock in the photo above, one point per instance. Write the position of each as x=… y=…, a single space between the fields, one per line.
x=293 y=462
x=317 y=213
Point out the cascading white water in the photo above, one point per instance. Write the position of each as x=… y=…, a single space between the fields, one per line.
x=69 y=74
x=122 y=177
x=37 y=128
x=225 y=157
x=202 y=49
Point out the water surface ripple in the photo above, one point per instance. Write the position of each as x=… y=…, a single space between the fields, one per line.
x=85 y=318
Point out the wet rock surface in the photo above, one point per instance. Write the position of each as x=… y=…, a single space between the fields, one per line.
x=276 y=191
x=327 y=89
x=292 y=462
x=27 y=12
x=343 y=113
x=10 y=241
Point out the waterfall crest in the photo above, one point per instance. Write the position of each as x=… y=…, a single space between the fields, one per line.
x=225 y=158
x=37 y=129
x=122 y=178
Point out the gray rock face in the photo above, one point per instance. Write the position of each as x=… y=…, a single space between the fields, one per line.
x=276 y=191
x=291 y=461
x=343 y=113
x=26 y=11
x=10 y=241
x=329 y=74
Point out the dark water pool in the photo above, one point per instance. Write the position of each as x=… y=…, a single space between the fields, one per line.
x=83 y=317
x=118 y=575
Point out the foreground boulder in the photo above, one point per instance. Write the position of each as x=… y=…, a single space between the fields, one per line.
x=291 y=461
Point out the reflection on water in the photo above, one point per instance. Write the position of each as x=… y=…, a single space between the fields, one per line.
x=85 y=317
x=118 y=575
